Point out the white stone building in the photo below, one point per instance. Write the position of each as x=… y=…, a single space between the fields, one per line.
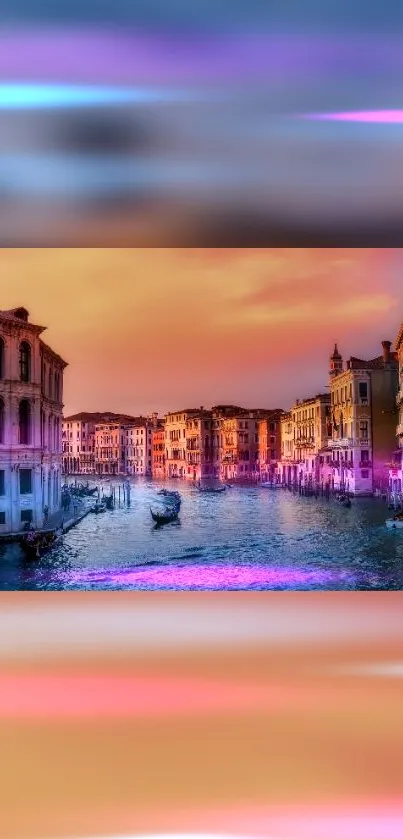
x=139 y=445
x=31 y=409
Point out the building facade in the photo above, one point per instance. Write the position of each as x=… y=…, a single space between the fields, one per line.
x=79 y=444
x=158 y=469
x=111 y=445
x=175 y=443
x=236 y=451
x=269 y=446
x=363 y=398
x=305 y=434
x=139 y=445
x=31 y=411
x=199 y=446
x=396 y=464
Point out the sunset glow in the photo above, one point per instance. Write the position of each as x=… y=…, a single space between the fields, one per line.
x=159 y=329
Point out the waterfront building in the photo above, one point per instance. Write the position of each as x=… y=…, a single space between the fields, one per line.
x=175 y=442
x=363 y=396
x=138 y=443
x=199 y=446
x=31 y=410
x=305 y=435
x=158 y=450
x=269 y=445
x=79 y=443
x=111 y=444
x=396 y=464
x=288 y=465
x=235 y=452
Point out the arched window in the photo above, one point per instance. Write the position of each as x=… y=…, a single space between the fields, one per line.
x=50 y=384
x=25 y=422
x=1 y=358
x=50 y=433
x=56 y=390
x=25 y=362
x=2 y=412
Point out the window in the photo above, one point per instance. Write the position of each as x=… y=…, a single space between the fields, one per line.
x=25 y=481
x=364 y=430
x=365 y=456
x=363 y=392
x=1 y=358
x=1 y=421
x=2 y=517
x=25 y=362
x=364 y=473
x=2 y=483
x=25 y=422
x=26 y=516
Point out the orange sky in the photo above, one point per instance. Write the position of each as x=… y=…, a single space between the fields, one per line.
x=158 y=329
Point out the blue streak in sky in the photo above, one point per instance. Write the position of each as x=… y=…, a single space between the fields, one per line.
x=32 y=96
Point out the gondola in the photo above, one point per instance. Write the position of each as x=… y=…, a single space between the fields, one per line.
x=169 y=493
x=166 y=517
x=35 y=546
x=98 y=508
x=109 y=502
x=212 y=490
x=395 y=522
x=344 y=501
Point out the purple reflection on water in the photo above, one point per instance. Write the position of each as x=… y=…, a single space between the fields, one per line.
x=215 y=577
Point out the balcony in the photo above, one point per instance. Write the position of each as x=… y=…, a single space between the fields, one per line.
x=365 y=464
x=342 y=443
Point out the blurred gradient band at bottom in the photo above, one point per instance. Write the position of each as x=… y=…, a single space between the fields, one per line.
x=264 y=716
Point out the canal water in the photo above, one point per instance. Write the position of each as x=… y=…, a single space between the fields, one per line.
x=244 y=539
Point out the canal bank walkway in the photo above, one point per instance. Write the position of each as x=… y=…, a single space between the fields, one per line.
x=66 y=519
x=61 y=520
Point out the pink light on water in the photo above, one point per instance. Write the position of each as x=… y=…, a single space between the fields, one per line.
x=379 y=117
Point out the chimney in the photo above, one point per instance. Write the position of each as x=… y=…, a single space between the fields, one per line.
x=386 y=345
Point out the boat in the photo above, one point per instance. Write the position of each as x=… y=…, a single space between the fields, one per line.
x=35 y=545
x=212 y=490
x=167 y=493
x=109 y=502
x=98 y=508
x=395 y=522
x=166 y=517
x=268 y=485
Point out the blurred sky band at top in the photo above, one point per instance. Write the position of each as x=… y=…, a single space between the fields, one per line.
x=226 y=156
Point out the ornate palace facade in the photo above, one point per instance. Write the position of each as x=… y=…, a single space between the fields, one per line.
x=31 y=410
